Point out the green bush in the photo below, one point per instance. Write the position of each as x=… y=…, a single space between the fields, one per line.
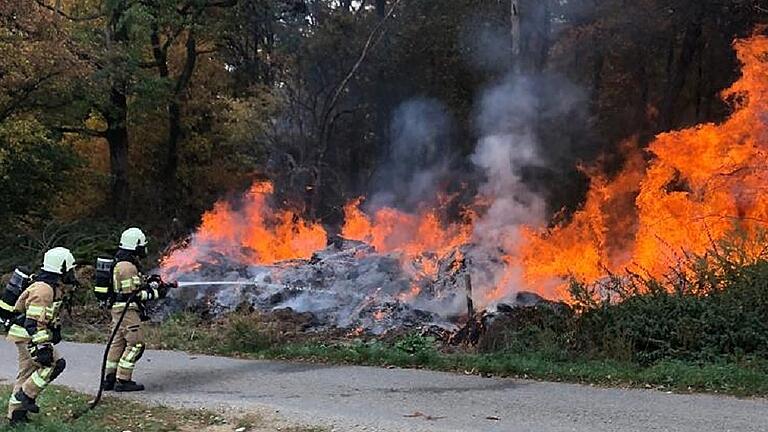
x=544 y=329
x=34 y=170
x=248 y=334
x=415 y=344
x=709 y=308
x=726 y=320
x=87 y=239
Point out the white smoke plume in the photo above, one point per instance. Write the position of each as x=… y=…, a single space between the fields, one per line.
x=509 y=117
x=418 y=157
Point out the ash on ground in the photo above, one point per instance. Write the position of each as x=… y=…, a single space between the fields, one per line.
x=345 y=286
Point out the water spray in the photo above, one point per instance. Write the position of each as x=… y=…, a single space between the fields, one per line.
x=198 y=284
x=181 y=284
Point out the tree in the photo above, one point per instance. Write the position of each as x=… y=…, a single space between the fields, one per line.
x=112 y=40
x=33 y=170
x=35 y=60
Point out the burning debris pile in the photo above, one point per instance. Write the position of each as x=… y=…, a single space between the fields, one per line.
x=413 y=264
x=348 y=286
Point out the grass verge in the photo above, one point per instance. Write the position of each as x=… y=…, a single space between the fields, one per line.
x=58 y=405
x=724 y=377
x=249 y=337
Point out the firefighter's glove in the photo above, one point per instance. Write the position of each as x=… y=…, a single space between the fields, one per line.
x=165 y=287
x=56 y=335
x=148 y=293
x=156 y=284
x=42 y=353
x=154 y=279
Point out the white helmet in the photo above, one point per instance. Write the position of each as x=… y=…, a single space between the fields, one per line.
x=58 y=260
x=132 y=238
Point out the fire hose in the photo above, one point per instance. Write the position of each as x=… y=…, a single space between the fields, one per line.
x=95 y=402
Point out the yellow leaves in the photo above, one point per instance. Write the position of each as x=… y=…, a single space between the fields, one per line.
x=249 y=117
x=95 y=122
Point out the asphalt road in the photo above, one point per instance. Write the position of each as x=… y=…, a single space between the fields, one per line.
x=349 y=398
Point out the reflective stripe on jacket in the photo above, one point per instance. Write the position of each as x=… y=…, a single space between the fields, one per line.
x=126 y=279
x=41 y=303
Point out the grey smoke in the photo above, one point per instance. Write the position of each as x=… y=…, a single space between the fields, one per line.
x=509 y=120
x=418 y=157
x=487 y=46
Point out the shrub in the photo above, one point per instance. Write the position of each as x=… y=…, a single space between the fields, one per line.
x=709 y=307
x=246 y=333
x=415 y=344
x=544 y=329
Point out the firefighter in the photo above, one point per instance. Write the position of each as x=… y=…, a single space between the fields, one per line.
x=36 y=330
x=131 y=290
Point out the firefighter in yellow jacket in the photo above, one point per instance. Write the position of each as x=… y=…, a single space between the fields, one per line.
x=36 y=330
x=132 y=290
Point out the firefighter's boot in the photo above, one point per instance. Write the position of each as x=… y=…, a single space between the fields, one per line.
x=18 y=418
x=128 y=386
x=109 y=382
x=27 y=403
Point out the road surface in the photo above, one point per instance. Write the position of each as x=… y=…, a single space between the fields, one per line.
x=351 y=398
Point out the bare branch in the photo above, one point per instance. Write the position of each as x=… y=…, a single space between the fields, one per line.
x=221 y=3
x=61 y=13
x=363 y=54
x=82 y=131
x=24 y=93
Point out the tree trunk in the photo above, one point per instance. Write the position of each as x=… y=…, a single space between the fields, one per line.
x=530 y=25
x=542 y=31
x=700 y=85
x=644 y=123
x=117 y=138
x=381 y=8
x=116 y=116
x=382 y=101
x=174 y=137
x=515 y=33
x=676 y=81
x=175 y=132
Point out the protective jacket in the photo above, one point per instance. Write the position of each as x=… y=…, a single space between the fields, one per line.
x=127 y=279
x=39 y=307
x=128 y=344
x=36 y=329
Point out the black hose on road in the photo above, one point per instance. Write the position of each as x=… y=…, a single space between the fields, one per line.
x=94 y=403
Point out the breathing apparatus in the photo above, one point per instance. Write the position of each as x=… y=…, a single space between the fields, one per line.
x=20 y=280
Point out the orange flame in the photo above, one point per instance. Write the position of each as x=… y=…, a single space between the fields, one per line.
x=701 y=182
x=253 y=234
x=421 y=238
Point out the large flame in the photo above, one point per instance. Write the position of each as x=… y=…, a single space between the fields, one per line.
x=700 y=182
x=253 y=233
x=420 y=237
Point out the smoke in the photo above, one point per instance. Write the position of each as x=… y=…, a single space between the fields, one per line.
x=487 y=46
x=509 y=119
x=418 y=157
x=506 y=118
